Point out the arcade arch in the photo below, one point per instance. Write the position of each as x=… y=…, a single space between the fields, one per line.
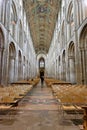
x=83 y=54
x=12 y=56
x=71 y=62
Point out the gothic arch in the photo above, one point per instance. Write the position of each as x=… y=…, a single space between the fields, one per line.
x=71 y=62
x=83 y=53
x=1 y=52
x=83 y=37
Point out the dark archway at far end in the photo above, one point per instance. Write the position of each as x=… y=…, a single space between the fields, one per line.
x=41 y=66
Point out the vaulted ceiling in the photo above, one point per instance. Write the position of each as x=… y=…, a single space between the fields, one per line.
x=42 y=15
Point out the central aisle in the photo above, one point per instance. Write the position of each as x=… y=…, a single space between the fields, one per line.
x=40 y=98
x=37 y=111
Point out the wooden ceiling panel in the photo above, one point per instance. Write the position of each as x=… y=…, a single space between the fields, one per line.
x=42 y=15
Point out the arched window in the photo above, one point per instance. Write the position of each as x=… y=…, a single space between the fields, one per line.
x=20 y=35
x=21 y=7
x=78 y=12
x=13 y=20
x=70 y=20
x=62 y=7
x=85 y=8
x=63 y=34
x=59 y=43
x=2 y=3
x=41 y=63
x=7 y=13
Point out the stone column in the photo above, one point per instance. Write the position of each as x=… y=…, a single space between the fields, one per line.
x=19 y=70
x=0 y=9
x=83 y=65
x=1 y=56
x=68 y=31
x=23 y=71
x=86 y=62
x=61 y=70
x=16 y=69
x=58 y=71
x=57 y=68
x=4 y=67
x=72 y=70
x=64 y=71
x=11 y=70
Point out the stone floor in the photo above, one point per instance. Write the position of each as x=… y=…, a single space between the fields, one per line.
x=37 y=111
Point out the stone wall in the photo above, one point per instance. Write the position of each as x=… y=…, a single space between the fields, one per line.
x=68 y=51
x=17 y=55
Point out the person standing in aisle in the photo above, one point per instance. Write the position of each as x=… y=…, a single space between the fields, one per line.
x=42 y=80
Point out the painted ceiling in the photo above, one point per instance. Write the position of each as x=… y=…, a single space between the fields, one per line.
x=42 y=15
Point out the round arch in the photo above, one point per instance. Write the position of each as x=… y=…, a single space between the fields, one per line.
x=41 y=66
x=40 y=56
x=83 y=54
x=41 y=62
x=71 y=63
x=12 y=56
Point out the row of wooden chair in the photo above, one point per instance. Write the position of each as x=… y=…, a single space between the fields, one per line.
x=71 y=93
x=50 y=82
x=12 y=93
x=70 y=98
x=32 y=81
